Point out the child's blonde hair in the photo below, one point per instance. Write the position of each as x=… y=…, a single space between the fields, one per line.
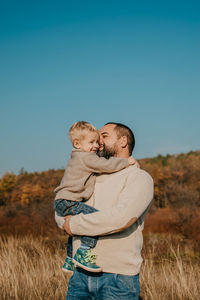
x=79 y=130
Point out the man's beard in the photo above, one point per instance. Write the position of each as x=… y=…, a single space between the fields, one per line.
x=108 y=152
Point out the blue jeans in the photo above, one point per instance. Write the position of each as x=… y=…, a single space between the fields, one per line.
x=84 y=285
x=65 y=208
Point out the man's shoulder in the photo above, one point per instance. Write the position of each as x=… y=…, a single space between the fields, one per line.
x=135 y=172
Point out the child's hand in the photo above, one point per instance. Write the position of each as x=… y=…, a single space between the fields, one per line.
x=133 y=161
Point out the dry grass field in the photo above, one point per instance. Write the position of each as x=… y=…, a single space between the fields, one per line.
x=31 y=269
x=171 y=268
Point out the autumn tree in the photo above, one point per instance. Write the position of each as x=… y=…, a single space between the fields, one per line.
x=7 y=184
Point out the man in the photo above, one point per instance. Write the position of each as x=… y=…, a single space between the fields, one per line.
x=123 y=199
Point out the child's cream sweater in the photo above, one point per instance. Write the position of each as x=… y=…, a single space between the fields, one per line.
x=79 y=178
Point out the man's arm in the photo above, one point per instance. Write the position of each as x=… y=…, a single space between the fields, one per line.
x=133 y=201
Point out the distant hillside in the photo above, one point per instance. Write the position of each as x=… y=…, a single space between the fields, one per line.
x=176 y=179
x=28 y=197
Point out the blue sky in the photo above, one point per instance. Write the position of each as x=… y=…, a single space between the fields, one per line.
x=135 y=62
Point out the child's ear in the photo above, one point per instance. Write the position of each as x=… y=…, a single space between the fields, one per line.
x=76 y=144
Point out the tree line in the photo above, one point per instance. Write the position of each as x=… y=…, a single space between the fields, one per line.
x=176 y=180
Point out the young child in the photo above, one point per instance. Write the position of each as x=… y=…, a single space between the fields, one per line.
x=77 y=186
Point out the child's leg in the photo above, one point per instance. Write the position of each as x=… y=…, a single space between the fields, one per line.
x=87 y=242
x=68 y=264
x=69 y=247
x=84 y=257
x=65 y=207
x=61 y=207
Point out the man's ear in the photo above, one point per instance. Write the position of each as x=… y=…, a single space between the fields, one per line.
x=76 y=144
x=123 y=141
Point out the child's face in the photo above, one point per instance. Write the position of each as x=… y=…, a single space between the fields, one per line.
x=90 y=143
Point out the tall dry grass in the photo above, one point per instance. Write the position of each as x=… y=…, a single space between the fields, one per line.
x=171 y=269
x=31 y=269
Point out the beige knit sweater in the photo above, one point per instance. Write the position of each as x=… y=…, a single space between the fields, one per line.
x=123 y=198
x=79 y=177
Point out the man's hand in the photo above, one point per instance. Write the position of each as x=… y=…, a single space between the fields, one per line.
x=66 y=225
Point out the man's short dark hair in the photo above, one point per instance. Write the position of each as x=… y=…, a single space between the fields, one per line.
x=123 y=130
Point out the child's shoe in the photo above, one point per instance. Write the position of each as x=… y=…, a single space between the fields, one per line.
x=68 y=266
x=86 y=260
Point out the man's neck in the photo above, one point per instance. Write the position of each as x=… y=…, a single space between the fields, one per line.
x=122 y=154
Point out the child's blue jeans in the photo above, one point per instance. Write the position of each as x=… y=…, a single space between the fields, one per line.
x=65 y=208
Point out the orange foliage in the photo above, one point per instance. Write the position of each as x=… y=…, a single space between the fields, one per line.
x=184 y=221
